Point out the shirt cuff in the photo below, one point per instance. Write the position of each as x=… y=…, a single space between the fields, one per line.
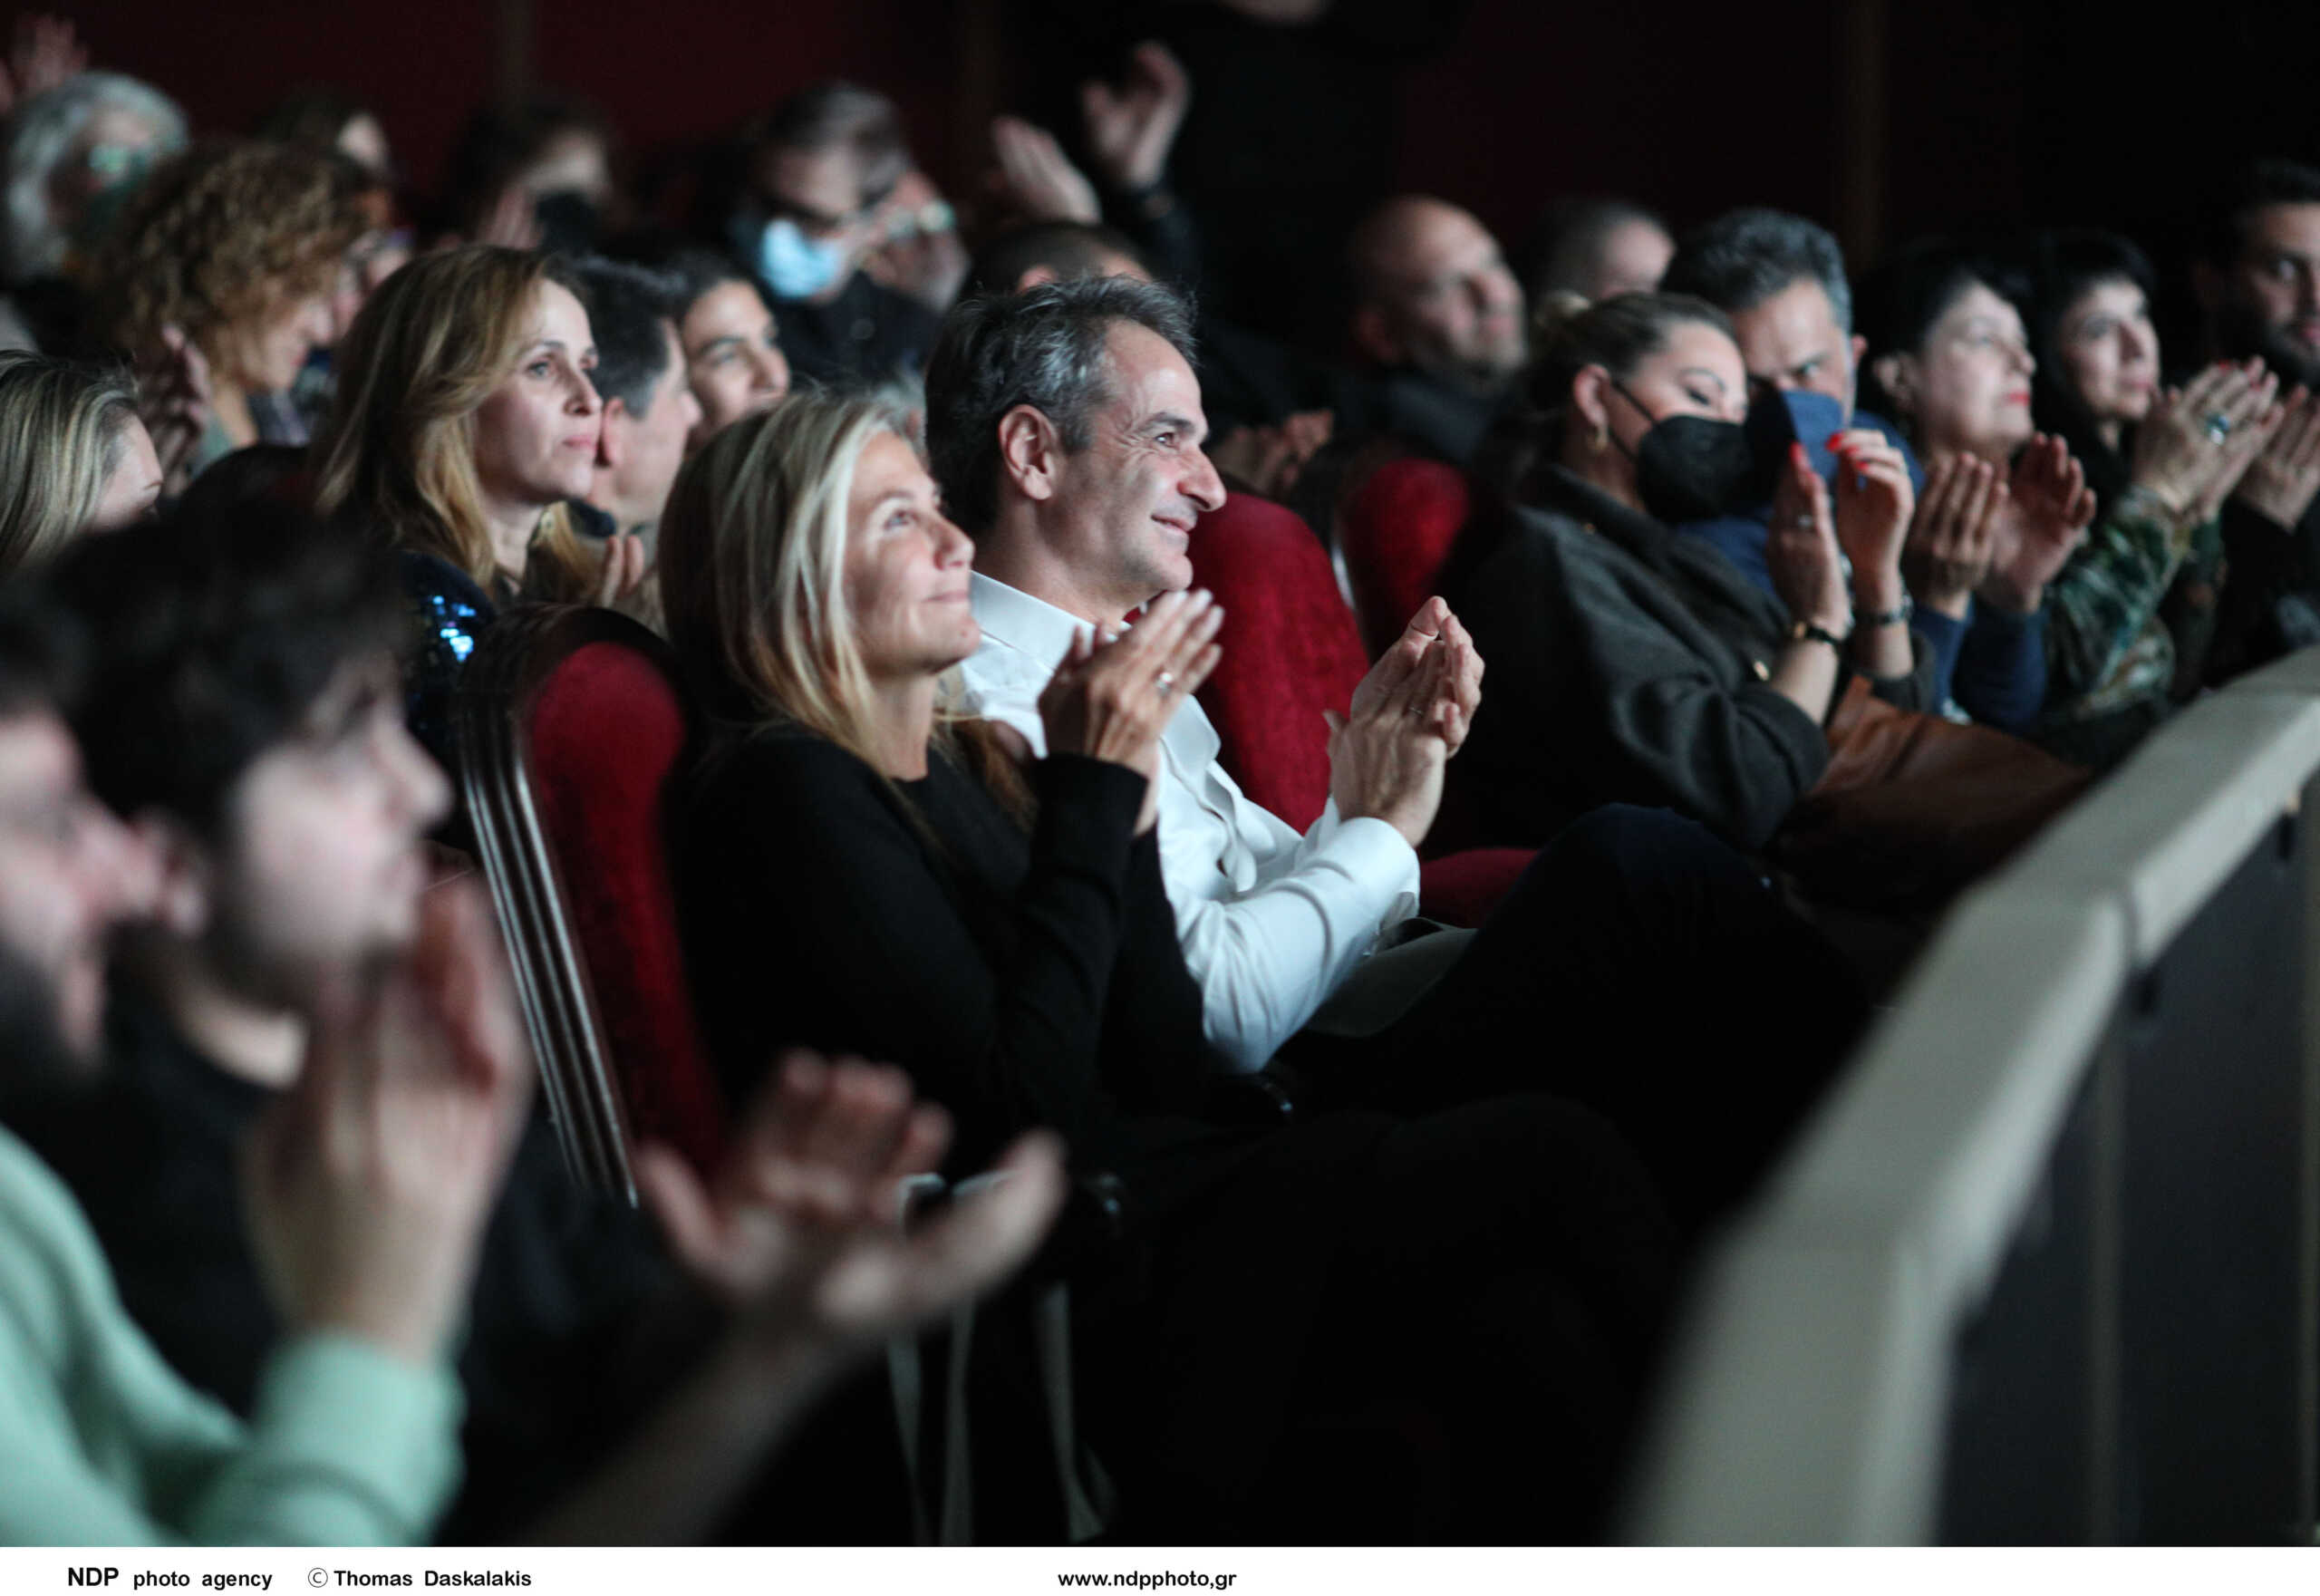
x=335 y=1404
x=1369 y=851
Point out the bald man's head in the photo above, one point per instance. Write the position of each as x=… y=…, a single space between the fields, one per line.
x=1432 y=292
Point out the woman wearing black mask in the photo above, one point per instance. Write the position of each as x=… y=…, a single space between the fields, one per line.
x=1629 y=664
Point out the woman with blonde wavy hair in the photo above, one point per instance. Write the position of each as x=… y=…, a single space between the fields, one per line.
x=848 y=879
x=464 y=420
x=73 y=455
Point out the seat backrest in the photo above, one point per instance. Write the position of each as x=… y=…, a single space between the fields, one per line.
x=1291 y=649
x=1397 y=529
x=572 y=726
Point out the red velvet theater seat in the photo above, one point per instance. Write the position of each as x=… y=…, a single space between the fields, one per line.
x=1395 y=530
x=1291 y=649
x=571 y=724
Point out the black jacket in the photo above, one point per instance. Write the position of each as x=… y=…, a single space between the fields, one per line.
x=1631 y=665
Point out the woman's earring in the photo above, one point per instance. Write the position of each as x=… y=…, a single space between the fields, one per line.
x=1601 y=440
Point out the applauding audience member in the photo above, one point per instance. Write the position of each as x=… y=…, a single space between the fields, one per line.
x=1782 y=281
x=243 y=715
x=73 y=455
x=1636 y=666
x=1952 y=357
x=2257 y=277
x=367 y=1188
x=1066 y=428
x=1004 y=934
x=2143 y=613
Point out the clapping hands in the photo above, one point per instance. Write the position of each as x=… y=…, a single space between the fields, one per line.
x=1409 y=716
x=799 y=1234
x=2046 y=511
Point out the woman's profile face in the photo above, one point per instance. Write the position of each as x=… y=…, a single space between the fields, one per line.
x=265 y=355
x=1969 y=392
x=133 y=486
x=536 y=433
x=2109 y=351
x=906 y=568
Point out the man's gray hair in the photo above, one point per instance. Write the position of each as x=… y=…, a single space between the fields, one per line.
x=1048 y=348
x=1744 y=257
x=38 y=137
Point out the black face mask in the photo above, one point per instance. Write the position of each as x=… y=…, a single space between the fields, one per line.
x=1695 y=468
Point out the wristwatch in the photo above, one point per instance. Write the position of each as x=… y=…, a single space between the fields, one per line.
x=1808 y=632
x=1898 y=615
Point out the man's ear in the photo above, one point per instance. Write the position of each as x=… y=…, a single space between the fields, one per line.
x=187 y=899
x=1373 y=335
x=1030 y=454
x=1897 y=375
x=1860 y=348
x=611 y=438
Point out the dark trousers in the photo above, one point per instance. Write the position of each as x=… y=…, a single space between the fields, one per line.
x=1437 y=1327
x=1643 y=968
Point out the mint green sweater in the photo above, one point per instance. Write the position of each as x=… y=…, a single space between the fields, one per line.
x=102 y=1445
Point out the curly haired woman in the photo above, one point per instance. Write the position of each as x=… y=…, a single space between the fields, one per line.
x=224 y=268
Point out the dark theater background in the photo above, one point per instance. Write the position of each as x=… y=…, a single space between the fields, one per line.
x=1886 y=118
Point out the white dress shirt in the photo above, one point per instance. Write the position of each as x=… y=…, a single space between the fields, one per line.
x=1272 y=924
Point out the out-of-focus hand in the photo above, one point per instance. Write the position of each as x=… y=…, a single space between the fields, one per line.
x=2048 y=506
x=1036 y=178
x=622 y=571
x=1131 y=129
x=2179 y=459
x=512 y=221
x=1802 y=550
x=369 y=1183
x=1873 y=502
x=1268 y=460
x=173 y=401
x=798 y=1233
x=2281 y=481
x=1953 y=536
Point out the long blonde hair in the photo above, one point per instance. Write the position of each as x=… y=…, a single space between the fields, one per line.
x=61 y=432
x=398 y=455
x=752 y=565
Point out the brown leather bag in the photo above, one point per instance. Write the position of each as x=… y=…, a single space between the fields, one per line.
x=1913 y=807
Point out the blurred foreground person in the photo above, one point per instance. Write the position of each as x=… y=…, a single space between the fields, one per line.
x=243 y=714
x=367 y=1188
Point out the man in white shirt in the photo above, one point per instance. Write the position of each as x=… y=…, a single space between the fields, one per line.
x=1082 y=514
x=1640 y=965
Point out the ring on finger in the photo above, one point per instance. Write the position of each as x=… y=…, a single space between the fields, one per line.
x=2219 y=426
x=1165 y=683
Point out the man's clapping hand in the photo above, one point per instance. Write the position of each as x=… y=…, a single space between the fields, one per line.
x=1409 y=716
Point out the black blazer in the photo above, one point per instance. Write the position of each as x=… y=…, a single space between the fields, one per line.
x=1628 y=665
